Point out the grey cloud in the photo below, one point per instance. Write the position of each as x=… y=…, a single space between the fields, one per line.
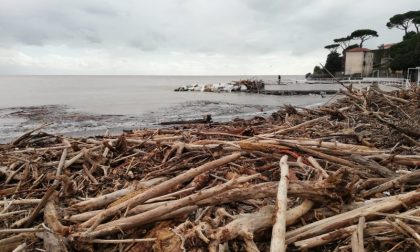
x=231 y=28
x=101 y=10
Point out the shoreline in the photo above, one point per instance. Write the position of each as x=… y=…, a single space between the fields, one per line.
x=344 y=160
x=74 y=123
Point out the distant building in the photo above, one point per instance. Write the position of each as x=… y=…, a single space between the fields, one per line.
x=359 y=61
x=382 y=60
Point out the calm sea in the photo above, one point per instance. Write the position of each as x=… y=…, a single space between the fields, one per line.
x=85 y=105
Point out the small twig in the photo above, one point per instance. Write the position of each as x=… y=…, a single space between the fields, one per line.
x=11 y=213
x=10 y=177
x=21 y=230
x=90 y=176
x=60 y=166
x=103 y=241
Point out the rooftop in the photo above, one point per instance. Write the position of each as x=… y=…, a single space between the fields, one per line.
x=387 y=46
x=358 y=49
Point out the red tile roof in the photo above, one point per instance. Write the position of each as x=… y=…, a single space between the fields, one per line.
x=358 y=49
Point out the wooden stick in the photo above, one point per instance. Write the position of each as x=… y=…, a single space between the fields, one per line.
x=391 y=97
x=245 y=225
x=293 y=128
x=149 y=216
x=21 y=230
x=19 y=139
x=160 y=189
x=360 y=239
x=21 y=202
x=51 y=219
x=170 y=195
x=409 y=230
x=339 y=220
x=3 y=215
x=90 y=176
x=338 y=234
x=82 y=216
x=42 y=149
x=318 y=167
x=103 y=200
x=74 y=159
x=13 y=173
x=354 y=242
x=326 y=156
x=410 y=177
x=21 y=247
x=102 y=241
x=303 y=189
x=293 y=215
x=373 y=166
x=256 y=191
x=329 y=145
x=28 y=220
x=278 y=237
x=360 y=236
x=60 y=166
x=9 y=243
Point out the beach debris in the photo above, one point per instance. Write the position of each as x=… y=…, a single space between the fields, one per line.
x=251 y=86
x=341 y=177
x=206 y=119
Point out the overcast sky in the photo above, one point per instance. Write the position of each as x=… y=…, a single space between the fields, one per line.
x=162 y=37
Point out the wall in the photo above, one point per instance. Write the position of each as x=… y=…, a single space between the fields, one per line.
x=354 y=63
x=368 y=67
x=359 y=63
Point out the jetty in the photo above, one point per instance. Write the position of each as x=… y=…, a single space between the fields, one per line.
x=252 y=86
x=298 y=92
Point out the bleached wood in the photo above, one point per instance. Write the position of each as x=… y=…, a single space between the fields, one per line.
x=152 y=215
x=278 y=237
x=159 y=189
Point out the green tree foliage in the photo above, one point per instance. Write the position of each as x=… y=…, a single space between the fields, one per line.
x=363 y=35
x=414 y=18
x=409 y=35
x=317 y=71
x=406 y=53
x=344 y=42
x=403 y=21
x=333 y=63
x=399 y=21
x=332 y=47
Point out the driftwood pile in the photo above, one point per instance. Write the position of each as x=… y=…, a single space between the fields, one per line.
x=253 y=86
x=342 y=177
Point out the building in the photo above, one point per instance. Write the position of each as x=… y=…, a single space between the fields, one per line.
x=359 y=62
x=413 y=75
x=382 y=61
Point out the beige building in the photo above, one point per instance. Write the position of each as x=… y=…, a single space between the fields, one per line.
x=359 y=61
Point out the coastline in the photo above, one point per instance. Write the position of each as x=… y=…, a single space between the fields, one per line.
x=73 y=123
